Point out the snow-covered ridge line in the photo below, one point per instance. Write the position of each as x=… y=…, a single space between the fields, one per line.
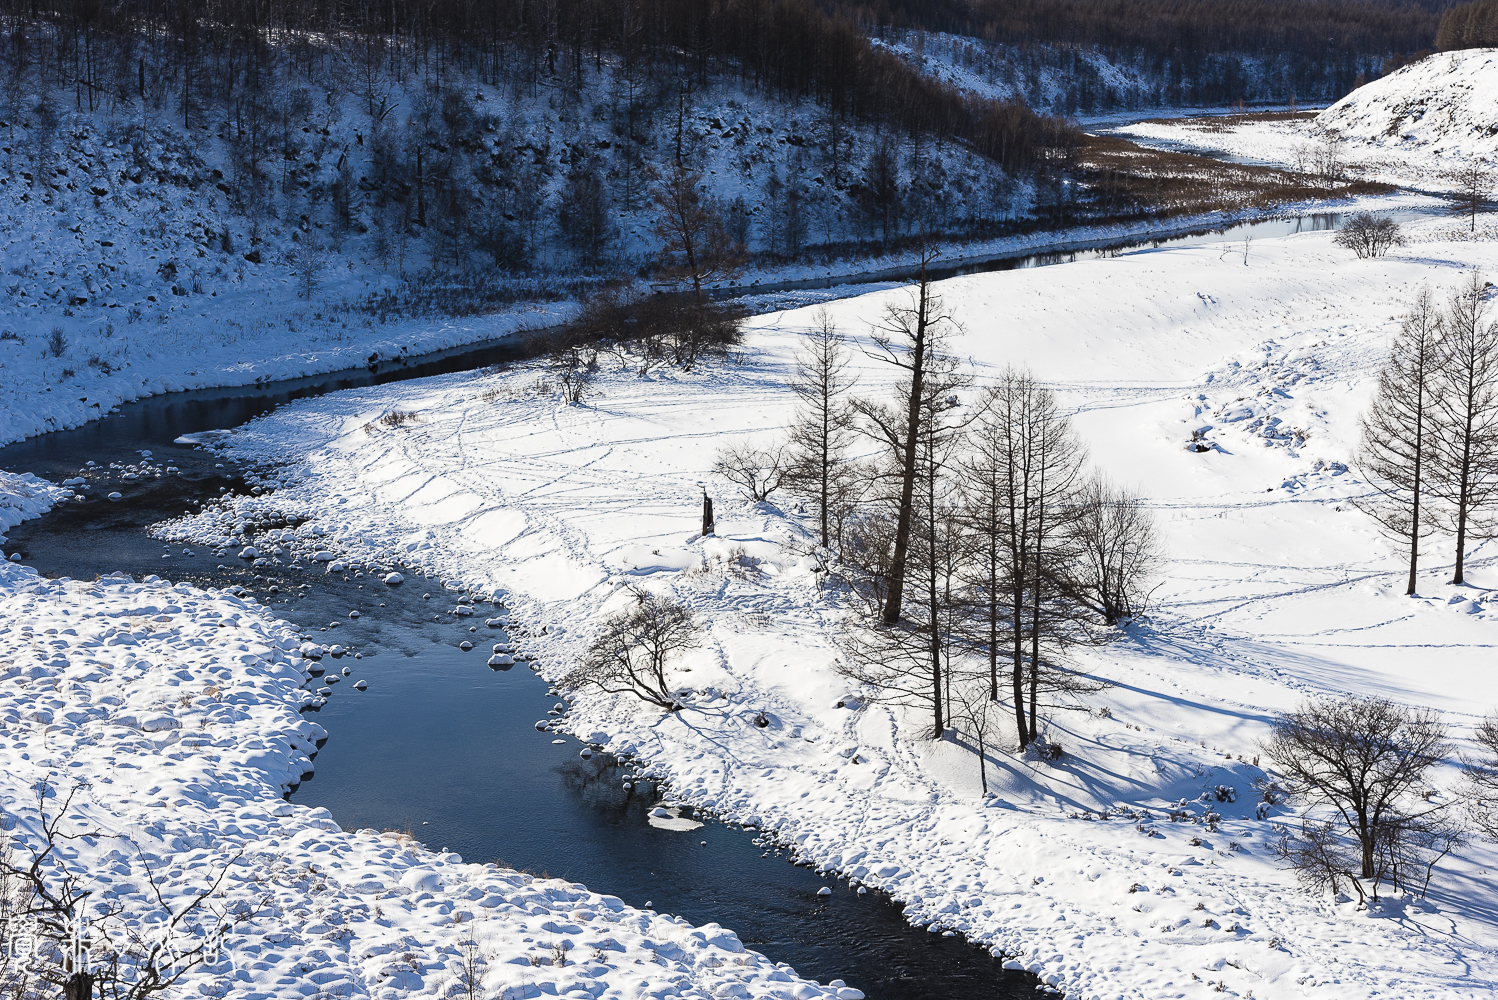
x=177 y=709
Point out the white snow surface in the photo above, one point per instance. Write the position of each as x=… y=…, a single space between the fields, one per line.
x=180 y=709
x=1276 y=590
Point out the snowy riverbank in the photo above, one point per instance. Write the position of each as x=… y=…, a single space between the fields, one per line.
x=1275 y=589
x=174 y=711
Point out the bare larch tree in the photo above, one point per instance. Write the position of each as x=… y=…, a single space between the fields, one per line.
x=1399 y=431
x=911 y=338
x=1467 y=400
x=1473 y=183
x=823 y=426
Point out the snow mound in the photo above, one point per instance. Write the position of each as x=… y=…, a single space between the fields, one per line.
x=1445 y=104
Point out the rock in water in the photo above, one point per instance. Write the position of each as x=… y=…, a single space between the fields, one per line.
x=116 y=496
x=353 y=614
x=501 y=660
x=361 y=685
x=394 y=578
x=249 y=552
x=585 y=753
x=465 y=645
x=824 y=891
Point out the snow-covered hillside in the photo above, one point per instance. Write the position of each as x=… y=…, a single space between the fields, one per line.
x=1445 y=106
x=1082 y=81
x=1120 y=870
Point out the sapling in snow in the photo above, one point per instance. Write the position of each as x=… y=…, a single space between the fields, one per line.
x=638 y=648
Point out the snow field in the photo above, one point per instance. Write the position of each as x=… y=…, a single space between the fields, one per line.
x=1140 y=864
x=177 y=709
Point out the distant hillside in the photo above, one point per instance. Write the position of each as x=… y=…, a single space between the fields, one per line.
x=1085 y=56
x=1444 y=105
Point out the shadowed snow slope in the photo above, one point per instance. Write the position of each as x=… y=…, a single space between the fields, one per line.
x=1276 y=589
x=1446 y=104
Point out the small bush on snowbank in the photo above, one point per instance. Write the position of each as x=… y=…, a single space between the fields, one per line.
x=1369 y=235
x=636 y=650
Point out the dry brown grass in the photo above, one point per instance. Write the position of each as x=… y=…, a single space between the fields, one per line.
x=1226 y=123
x=1124 y=180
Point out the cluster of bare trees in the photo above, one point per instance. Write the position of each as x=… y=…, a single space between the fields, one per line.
x=966 y=524
x=641 y=332
x=1430 y=439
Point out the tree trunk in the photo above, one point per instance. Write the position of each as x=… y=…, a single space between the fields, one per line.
x=79 y=986
x=896 y=596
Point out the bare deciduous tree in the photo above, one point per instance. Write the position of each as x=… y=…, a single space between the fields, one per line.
x=911 y=338
x=821 y=432
x=637 y=648
x=697 y=244
x=931 y=530
x=1399 y=431
x=1369 y=235
x=1365 y=758
x=1467 y=400
x=759 y=472
x=110 y=947
x=1482 y=774
x=1116 y=551
x=976 y=714
x=1472 y=184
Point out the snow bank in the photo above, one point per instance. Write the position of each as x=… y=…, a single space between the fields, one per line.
x=1139 y=865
